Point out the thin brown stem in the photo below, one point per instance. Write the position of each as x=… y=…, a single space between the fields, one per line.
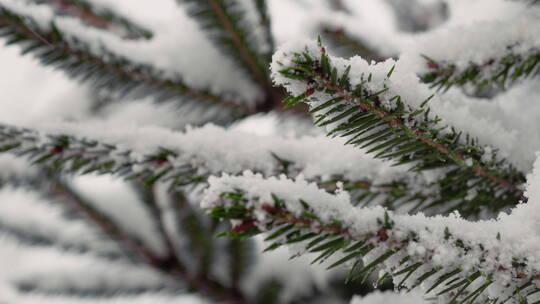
x=397 y=123
x=246 y=55
x=168 y=266
x=135 y=75
x=88 y=16
x=150 y=202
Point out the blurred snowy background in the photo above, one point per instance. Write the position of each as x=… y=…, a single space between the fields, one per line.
x=32 y=94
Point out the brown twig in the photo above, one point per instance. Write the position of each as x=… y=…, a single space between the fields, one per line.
x=88 y=16
x=123 y=71
x=246 y=55
x=169 y=265
x=419 y=134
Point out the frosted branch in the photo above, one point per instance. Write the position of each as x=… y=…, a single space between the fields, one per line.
x=239 y=30
x=381 y=108
x=189 y=157
x=480 y=61
x=56 y=42
x=378 y=297
x=99 y=17
x=478 y=260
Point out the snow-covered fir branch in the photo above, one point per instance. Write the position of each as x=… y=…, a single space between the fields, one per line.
x=378 y=297
x=241 y=29
x=183 y=158
x=105 y=208
x=387 y=111
x=93 y=56
x=86 y=156
x=450 y=256
x=100 y=17
x=339 y=36
x=354 y=29
x=473 y=59
x=499 y=71
x=153 y=270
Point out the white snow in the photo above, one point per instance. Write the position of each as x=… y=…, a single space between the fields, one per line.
x=52 y=269
x=33 y=94
x=28 y=211
x=299 y=278
x=176 y=47
x=116 y=200
x=387 y=297
x=514 y=140
x=40 y=14
x=467 y=39
x=491 y=254
x=214 y=149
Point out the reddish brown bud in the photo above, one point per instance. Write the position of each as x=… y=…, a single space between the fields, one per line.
x=269 y=208
x=432 y=65
x=244 y=226
x=160 y=162
x=57 y=150
x=383 y=236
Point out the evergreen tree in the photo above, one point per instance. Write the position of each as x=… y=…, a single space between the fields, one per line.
x=409 y=168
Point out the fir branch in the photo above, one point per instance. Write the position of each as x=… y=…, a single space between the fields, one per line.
x=71 y=155
x=262 y=11
x=339 y=37
x=438 y=253
x=375 y=182
x=38 y=238
x=99 y=18
x=501 y=71
x=191 y=223
x=514 y=56
x=68 y=197
x=373 y=116
x=167 y=265
x=371 y=181
x=230 y=31
x=107 y=71
x=148 y=197
x=34 y=228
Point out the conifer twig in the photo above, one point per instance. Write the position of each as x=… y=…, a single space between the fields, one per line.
x=371 y=181
x=149 y=200
x=341 y=38
x=116 y=74
x=104 y=20
x=225 y=18
x=375 y=117
x=371 y=239
x=168 y=265
x=500 y=72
